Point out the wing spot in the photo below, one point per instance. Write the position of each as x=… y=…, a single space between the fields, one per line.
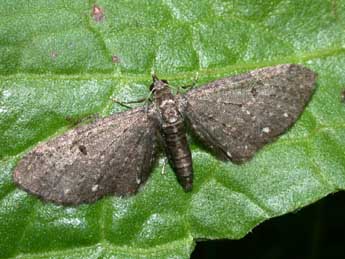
x=138 y=180
x=254 y=92
x=94 y=188
x=82 y=149
x=266 y=130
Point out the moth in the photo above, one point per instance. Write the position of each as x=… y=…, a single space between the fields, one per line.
x=233 y=117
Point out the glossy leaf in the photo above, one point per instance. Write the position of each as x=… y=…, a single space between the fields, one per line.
x=58 y=65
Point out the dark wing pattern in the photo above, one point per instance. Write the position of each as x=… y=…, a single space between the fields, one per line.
x=113 y=155
x=236 y=116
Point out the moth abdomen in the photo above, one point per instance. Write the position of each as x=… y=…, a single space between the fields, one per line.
x=178 y=152
x=174 y=131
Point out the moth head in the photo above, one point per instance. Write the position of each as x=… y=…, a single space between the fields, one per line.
x=158 y=84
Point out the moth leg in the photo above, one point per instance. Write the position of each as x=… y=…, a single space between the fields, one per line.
x=124 y=103
x=193 y=84
x=82 y=120
x=165 y=161
x=163 y=147
x=147 y=100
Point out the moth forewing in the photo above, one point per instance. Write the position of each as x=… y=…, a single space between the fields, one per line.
x=113 y=155
x=236 y=116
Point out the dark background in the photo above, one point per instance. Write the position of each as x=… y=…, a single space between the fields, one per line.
x=315 y=232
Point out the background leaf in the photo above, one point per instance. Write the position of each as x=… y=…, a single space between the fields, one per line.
x=59 y=64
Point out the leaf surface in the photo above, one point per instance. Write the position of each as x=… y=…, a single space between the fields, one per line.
x=58 y=64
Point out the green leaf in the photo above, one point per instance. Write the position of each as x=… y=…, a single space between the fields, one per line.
x=58 y=64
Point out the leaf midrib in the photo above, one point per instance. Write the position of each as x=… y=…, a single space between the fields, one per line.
x=302 y=57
